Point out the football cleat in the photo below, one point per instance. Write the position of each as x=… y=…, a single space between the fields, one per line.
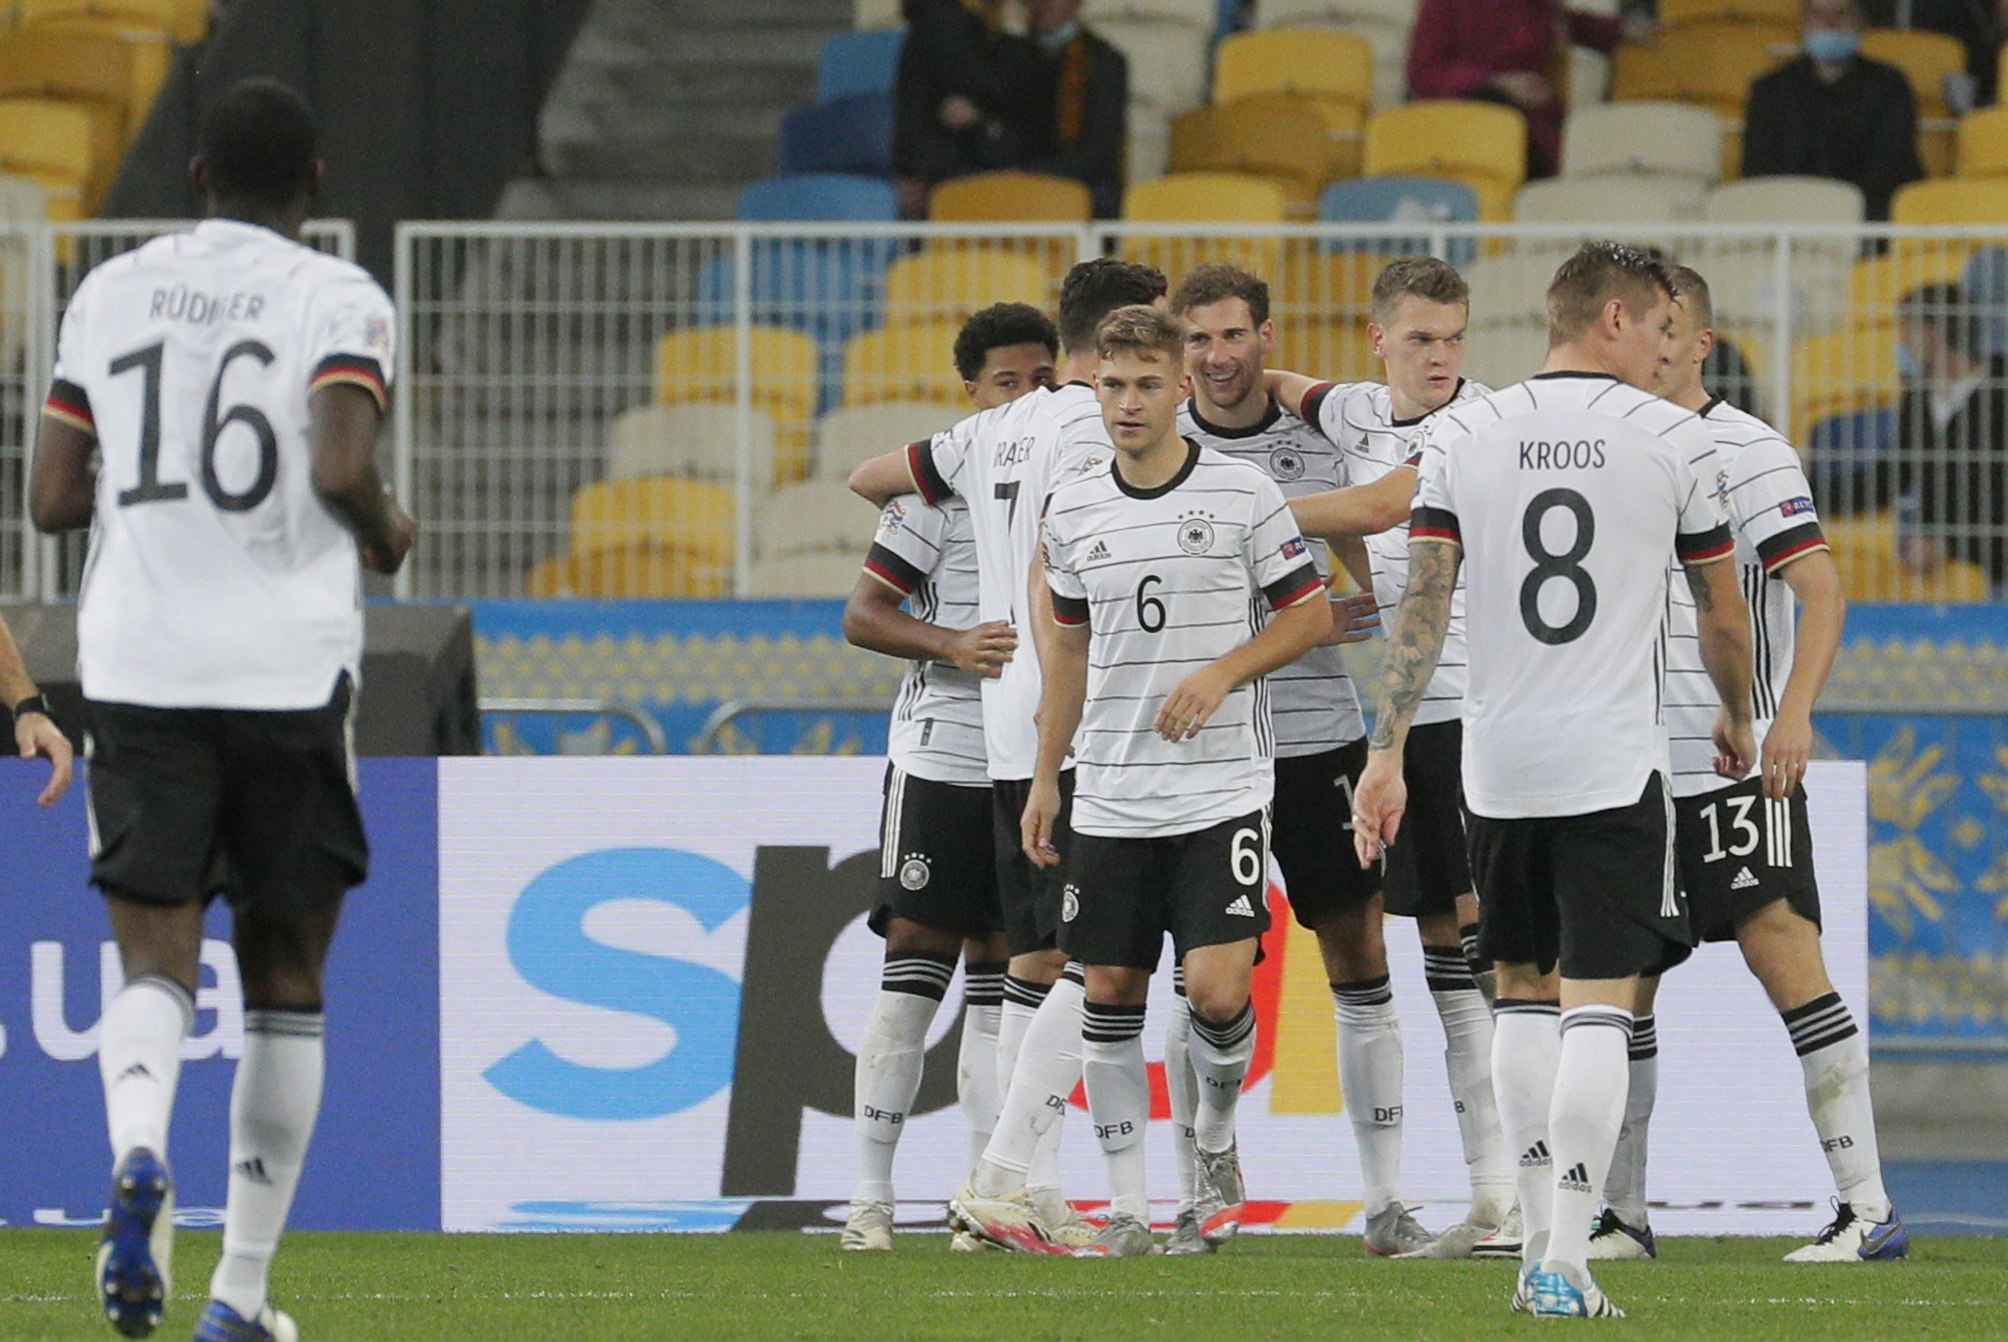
x=1009 y=1223
x=1849 y=1238
x=1458 y=1241
x=1392 y=1232
x=1611 y=1238
x=1073 y=1232
x=1556 y=1297
x=869 y=1227
x=134 y=1266
x=220 y=1323
x=1185 y=1237
x=961 y=1241
x=1123 y=1237
x=1505 y=1242
x=1224 y=1200
x=1522 y=1300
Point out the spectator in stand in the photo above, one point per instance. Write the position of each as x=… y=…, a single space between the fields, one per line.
x=967 y=97
x=1952 y=436
x=1510 y=51
x=1832 y=112
x=1087 y=90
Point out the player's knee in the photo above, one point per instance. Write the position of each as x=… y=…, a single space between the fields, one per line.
x=1218 y=1004
x=903 y=936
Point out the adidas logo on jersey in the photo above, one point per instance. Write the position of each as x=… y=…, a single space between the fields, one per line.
x=1577 y=1180
x=1100 y=552
x=1744 y=880
x=1241 y=908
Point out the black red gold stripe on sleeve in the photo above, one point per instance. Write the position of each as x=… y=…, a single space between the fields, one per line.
x=71 y=404
x=920 y=462
x=1296 y=585
x=1071 y=611
x=1701 y=547
x=356 y=369
x=1436 y=524
x=1777 y=551
x=893 y=571
x=1313 y=402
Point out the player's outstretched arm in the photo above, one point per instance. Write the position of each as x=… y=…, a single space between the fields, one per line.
x=1723 y=620
x=883 y=478
x=62 y=483
x=1290 y=633
x=1289 y=389
x=343 y=430
x=1062 y=696
x=874 y=621
x=1815 y=579
x=1357 y=510
x=1414 y=645
x=35 y=732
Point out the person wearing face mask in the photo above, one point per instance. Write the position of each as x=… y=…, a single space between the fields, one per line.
x=1086 y=86
x=1952 y=435
x=1832 y=112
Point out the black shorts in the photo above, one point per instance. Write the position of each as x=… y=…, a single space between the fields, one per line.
x=1312 y=833
x=188 y=803
x=935 y=860
x=1030 y=895
x=1206 y=888
x=1739 y=852
x=1427 y=868
x=1595 y=893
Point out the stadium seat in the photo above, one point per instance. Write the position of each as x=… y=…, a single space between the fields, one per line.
x=1319 y=63
x=949 y=283
x=1631 y=138
x=1405 y=199
x=1880 y=282
x=1204 y=14
x=819 y=197
x=1771 y=13
x=113 y=79
x=642 y=570
x=696 y=440
x=1327 y=347
x=1926 y=58
x=1865 y=552
x=1843 y=455
x=1481 y=144
x=850 y=134
x=1281 y=138
x=827 y=286
x=825 y=573
x=51 y=143
x=182 y=20
x=1840 y=373
x=1201 y=198
x=876 y=14
x=1983 y=142
x=911 y=362
x=1616 y=198
x=1338 y=13
x=853 y=434
x=1711 y=65
x=1167 y=61
x=1506 y=354
x=694 y=516
x=1510 y=289
x=1948 y=200
x=701 y=364
x=1786 y=200
x=818 y=515
x=1010 y=197
x=865 y=61
x=1328 y=284
x=1148 y=153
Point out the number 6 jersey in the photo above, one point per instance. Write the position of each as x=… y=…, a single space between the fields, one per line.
x=217 y=577
x=1568 y=492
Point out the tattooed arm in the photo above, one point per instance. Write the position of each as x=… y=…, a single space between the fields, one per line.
x=1413 y=648
x=1722 y=618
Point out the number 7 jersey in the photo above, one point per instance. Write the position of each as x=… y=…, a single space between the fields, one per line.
x=217 y=577
x=1568 y=493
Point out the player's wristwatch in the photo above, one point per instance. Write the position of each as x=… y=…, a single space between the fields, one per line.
x=34 y=703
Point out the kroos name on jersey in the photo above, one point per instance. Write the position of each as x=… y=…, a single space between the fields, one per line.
x=1561 y=456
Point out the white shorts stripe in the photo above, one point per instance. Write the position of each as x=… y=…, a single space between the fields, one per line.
x=1669 y=888
x=895 y=802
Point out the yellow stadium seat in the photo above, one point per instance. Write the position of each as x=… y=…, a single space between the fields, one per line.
x=701 y=364
x=1326 y=347
x=1925 y=58
x=948 y=284
x=1480 y=144
x=1783 y=14
x=910 y=362
x=644 y=569
x=1328 y=284
x=1710 y=65
x=1279 y=137
x=1840 y=373
x=51 y=143
x=111 y=79
x=1983 y=142
x=1948 y=200
x=695 y=439
x=1865 y=553
x=1319 y=63
x=1201 y=198
x=1880 y=282
x=670 y=511
x=182 y=20
x=1010 y=197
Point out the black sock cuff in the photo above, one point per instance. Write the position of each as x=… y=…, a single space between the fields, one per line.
x=1229 y=1033
x=921 y=973
x=1109 y=1024
x=1075 y=973
x=1178 y=979
x=1363 y=992
x=983 y=983
x=1645 y=1038
x=1024 y=992
x=1604 y=1017
x=1820 y=1023
x=1525 y=1006
x=287 y=1022
x=1446 y=970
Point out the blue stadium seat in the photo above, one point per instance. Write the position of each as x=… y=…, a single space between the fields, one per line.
x=818 y=197
x=860 y=62
x=1401 y=198
x=1847 y=453
x=852 y=134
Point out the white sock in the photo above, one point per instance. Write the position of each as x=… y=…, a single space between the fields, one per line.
x=1219 y=1056
x=1835 y=1058
x=1467 y=1058
x=1624 y=1191
x=1526 y=1049
x=889 y=1063
x=1119 y=1099
x=976 y=1085
x=1049 y=1067
x=1583 y=1123
x=139 y=1061
x=1021 y=1002
x=1370 y=1077
x=273 y=1104
x=1183 y=1088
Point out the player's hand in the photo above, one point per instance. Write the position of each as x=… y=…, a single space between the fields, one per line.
x=1735 y=746
x=1191 y=702
x=958 y=113
x=1355 y=619
x=984 y=649
x=1379 y=802
x=1787 y=746
x=386 y=555
x=36 y=735
x=1035 y=825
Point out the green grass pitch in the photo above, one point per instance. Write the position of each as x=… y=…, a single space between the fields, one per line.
x=413 y=1288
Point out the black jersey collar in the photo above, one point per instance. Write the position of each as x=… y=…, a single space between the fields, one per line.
x=1713 y=401
x=1572 y=372
x=1455 y=392
x=1255 y=430
x=1159 y=491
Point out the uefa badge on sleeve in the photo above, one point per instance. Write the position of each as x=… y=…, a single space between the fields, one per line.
x=914 y=873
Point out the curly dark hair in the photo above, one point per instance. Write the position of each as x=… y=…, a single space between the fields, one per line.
x=999 y=325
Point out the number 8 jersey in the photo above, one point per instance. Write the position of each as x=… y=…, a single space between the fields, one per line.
x=1568 y=492
x=217 y=577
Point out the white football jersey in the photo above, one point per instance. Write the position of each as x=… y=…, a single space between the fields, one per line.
x=217 y=577
x=928 y=555
x=1312 y=701
x=1358 y=417
x=1567 y=492
x=1772 y=515
x=1168 y=580
x=1004 y=463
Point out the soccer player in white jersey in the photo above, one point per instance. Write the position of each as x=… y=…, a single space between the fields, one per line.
x=1746 y=851
x=230 y=382
x=1567 y=493
x=1003 y=463
x=937 y=868
x=1320 y=750
x=35 y=732
x=1178 y=582
x=1420 y=307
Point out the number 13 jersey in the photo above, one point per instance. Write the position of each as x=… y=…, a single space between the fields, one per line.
x=1567 y=492
x=217 y=577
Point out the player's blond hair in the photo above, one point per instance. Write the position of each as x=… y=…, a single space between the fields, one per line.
x=1692 y=291
x=1425 y=277
x=1140 y=330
